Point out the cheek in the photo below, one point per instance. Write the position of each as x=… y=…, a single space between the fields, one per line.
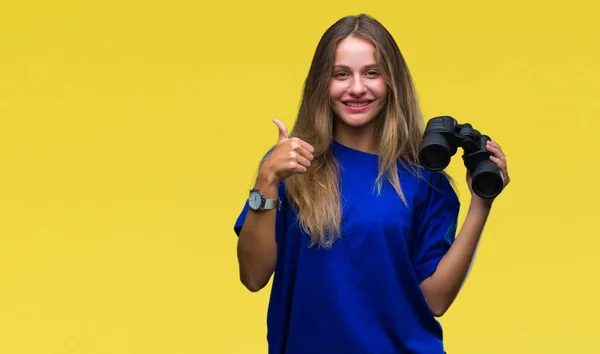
x=379 y=88
x=337 y=89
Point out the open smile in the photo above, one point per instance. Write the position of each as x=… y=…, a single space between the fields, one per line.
x=362 y=103
x=357 y=106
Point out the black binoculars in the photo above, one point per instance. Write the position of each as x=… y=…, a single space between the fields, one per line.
x=441 y=139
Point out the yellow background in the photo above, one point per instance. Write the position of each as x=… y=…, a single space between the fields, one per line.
x=130 y=133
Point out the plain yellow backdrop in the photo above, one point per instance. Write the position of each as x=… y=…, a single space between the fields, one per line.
x=130 y=133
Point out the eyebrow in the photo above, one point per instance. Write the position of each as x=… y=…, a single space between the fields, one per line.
x=366 y=67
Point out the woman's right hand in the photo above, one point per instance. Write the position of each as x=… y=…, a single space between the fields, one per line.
x=290 y=156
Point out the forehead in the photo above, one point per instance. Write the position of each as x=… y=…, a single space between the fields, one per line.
x=352 y=51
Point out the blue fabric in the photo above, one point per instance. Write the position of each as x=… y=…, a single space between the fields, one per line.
x=362 y=295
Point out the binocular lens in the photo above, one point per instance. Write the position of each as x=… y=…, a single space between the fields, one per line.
x=435 y=152
x=488 y=181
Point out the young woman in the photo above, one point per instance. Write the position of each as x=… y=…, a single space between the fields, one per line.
x=360 y=238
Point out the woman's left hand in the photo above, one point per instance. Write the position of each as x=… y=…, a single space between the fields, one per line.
x=499 y=159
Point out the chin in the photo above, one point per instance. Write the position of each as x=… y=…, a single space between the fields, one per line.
x=355 y=122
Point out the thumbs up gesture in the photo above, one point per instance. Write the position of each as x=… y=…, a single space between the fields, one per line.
x=290 y=156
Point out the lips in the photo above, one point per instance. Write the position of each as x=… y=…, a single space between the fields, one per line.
x=357 y=103
x=357 y=106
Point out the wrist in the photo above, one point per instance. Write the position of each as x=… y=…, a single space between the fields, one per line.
x=481 y=204
x=266 y=180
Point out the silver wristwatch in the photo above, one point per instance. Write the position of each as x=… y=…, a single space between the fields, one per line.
x=258 y=202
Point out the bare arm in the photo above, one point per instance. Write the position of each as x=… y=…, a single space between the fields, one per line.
x=256 y=248
x=442 y=287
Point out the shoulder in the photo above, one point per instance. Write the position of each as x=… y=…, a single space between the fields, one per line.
x=430 y=185
x=421 y=175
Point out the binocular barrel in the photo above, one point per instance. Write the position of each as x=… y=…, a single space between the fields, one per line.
x=443 y=136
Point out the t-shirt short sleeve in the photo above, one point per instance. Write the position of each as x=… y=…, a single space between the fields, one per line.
x=279 y=220
x=436 y=229
x=239 y=222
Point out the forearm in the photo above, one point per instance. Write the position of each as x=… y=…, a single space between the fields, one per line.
x=256 y=248
x=442 y=287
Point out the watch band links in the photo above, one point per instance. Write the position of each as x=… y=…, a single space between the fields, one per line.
x=272 y=204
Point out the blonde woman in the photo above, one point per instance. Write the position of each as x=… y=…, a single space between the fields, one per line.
x=360 y=239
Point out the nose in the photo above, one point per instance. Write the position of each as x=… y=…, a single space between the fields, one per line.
x=357 y=87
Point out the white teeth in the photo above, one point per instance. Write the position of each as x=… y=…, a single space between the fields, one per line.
x=352 y=104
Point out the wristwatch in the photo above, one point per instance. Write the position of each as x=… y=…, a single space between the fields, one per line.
x=258 y=202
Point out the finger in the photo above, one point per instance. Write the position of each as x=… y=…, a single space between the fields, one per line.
x=303 y=161
x=295 y=167
x=283 y=134
x=297 y=142
x=305 y=153
x=496 y=150
x=301 y=169
x=306 y=146
x=501 y=163
x=494 y=144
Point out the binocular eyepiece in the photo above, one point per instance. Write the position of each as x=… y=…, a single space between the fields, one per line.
x=442 y=138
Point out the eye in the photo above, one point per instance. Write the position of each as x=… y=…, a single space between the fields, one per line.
x=372 y=73
x=340 y=75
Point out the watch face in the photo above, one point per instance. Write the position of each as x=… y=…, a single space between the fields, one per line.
x=254 y=200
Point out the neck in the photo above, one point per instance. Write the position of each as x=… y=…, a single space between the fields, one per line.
x=361 y=138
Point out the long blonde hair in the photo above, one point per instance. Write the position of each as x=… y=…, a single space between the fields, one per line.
x=315 y=195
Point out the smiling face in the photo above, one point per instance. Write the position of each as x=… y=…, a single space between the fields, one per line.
x=357 y=87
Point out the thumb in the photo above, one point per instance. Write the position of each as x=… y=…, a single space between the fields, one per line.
x=283 y=135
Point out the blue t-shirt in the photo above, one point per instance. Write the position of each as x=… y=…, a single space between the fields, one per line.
x=362 y=295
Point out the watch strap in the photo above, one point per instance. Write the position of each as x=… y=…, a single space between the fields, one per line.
x=272 y=204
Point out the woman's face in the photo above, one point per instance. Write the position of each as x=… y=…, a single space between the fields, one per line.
x=357 y=88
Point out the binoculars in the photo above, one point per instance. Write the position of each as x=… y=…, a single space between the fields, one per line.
x=441 y=139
